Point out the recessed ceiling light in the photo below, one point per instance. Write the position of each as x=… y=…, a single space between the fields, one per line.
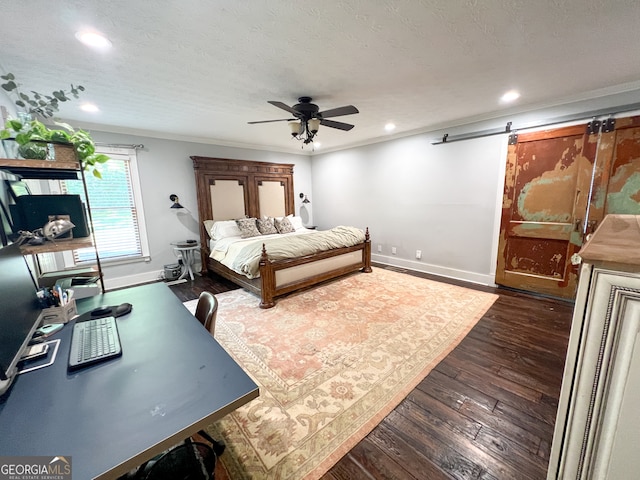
x=94 y=39
x=317 y=144
x=510 y=96
x=89 y=107
x=390 y=127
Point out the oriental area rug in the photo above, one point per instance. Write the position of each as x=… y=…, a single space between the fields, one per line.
x=331 y=363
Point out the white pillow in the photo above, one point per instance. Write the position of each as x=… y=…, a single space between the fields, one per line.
x=223 y=229
x=207 y=226
x=296 y=222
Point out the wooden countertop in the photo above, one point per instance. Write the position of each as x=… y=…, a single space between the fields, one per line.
x=616 y=241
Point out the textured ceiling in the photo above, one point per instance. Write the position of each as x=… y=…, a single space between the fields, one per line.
x=202 y=69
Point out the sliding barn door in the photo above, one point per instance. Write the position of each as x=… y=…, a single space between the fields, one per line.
x=559 y=185
x=544 y=206
x=618 y=191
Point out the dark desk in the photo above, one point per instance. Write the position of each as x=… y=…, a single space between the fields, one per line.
x=172 y=380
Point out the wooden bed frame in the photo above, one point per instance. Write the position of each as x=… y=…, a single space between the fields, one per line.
x=277 y=277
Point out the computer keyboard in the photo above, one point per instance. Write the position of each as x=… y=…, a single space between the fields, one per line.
x=94 y=341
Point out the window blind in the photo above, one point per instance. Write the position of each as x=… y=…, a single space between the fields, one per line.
x=113 y=209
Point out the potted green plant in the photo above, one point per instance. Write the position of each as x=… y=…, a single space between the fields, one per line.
x=32 y=136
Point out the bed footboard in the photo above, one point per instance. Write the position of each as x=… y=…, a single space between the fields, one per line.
x=284 y=276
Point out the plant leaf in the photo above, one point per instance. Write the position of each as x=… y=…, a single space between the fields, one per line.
x=15 y=125
x=65 y=126
x=59 y=136
x=9 y=86
x=23 y=138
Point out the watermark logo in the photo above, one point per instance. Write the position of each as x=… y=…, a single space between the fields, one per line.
x=35 y=468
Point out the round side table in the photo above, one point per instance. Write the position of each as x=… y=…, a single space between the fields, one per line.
x=187 y=252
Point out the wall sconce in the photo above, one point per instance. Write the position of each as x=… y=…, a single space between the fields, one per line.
x=306 y=200
x=176 y=201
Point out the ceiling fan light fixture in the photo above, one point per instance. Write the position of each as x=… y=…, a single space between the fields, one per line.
x=308 y=119
x=296 y=128
x=314 y=125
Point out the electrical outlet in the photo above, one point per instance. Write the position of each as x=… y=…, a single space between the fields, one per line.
x=379 y=248
x=393 y=250
x=418 y=254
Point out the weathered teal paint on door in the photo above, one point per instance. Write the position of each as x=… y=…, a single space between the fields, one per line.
x=544 y=206
x=559 y=185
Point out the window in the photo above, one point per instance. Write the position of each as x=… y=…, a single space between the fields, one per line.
x=116 y=209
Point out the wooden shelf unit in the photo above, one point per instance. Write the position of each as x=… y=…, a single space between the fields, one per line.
x=56 y=246
x=8 y=163
x=54 y=166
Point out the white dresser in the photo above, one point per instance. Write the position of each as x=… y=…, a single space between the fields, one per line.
x=597 y=431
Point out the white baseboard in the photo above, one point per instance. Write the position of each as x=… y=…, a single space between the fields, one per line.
x=473 y=277
x=131 y=280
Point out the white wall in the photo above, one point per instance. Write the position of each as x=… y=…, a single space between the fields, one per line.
x=165 y=167
x=444 y=200
x=412 y=195
x=440 y=199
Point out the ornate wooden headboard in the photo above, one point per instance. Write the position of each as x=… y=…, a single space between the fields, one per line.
x=229 y=189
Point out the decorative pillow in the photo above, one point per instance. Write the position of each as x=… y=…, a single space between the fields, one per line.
x=266 y=226
x=247 y=227
x=223 y=229
x=284 y=225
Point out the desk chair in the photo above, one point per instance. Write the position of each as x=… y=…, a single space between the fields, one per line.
x=189 y=460
x=206 y=311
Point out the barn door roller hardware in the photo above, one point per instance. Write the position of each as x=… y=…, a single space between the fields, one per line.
x=607 y=125
x=593 y=127
x=604 y=126
x=484 y=133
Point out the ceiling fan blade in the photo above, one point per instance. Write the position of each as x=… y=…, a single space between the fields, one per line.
x=284 y=106
x=338 y=112
x=339 y=125
x=269 y=121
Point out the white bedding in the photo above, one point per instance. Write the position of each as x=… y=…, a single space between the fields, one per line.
x=220 y=248
x=242 y=255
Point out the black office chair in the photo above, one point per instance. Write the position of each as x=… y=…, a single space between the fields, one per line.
x=206 y=311
x=187 y=461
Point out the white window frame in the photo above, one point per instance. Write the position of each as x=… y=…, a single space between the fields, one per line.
x=132 y=158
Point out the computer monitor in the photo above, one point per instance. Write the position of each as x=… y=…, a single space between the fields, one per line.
x=20 y=311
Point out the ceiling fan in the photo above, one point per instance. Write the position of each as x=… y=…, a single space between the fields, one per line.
x=307 y=118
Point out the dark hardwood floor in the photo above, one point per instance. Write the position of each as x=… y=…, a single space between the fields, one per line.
x=485 y=412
